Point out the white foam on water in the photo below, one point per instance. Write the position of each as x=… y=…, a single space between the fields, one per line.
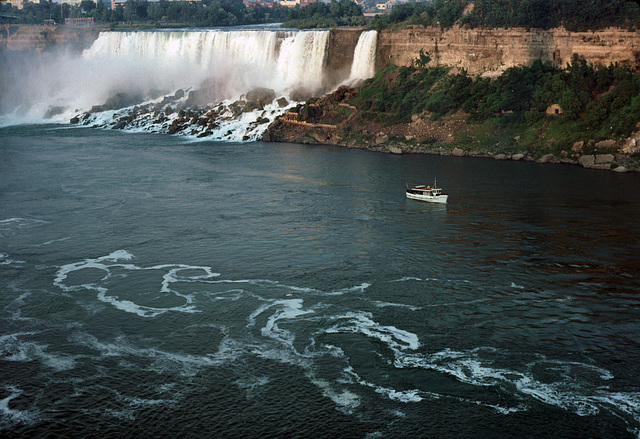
x=252 y=384
x=345 y=400
x=380 y=304
x=11 y=226
x=163 y=361
x=349 y=290
x=577 y=387
x=406 y=279
x=13 y=348
x=49 y=242
x=10 y=417
x=109 y=262
x=396 y=339
x=6 y=260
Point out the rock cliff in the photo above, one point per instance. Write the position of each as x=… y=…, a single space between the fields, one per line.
x=41 y=38
x=491 y=51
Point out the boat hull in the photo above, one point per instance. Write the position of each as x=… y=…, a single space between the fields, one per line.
x=428 y=198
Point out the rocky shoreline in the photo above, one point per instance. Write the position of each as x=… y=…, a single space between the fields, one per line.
x=331 y=120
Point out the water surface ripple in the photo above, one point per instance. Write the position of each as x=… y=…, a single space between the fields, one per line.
x=155 y=287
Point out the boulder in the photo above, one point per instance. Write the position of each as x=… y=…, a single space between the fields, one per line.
x=587 y=161
x=547 y=158
x=120 y=125
x=264 y=95
x=282 y=102
x=457 y=152
x=300 y=95
x=394 y=150
x=500 y=157
x=319 y=136
x=381 y=140
x=631 y=146
x=605 y=144
x=601 y=159
x=620 y=169
x=53 y=111
x=121 y=100
x=577 y=147
x=517 y=157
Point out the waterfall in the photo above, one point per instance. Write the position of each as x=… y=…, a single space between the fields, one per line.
x=237 y=60
x=140 y=80
x=364 y=57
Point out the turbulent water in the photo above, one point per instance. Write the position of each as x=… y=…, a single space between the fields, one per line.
x=156 y=287
x=139 y=81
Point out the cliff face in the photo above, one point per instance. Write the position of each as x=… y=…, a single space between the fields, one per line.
x=490 y=51
x=40 y=38
x=342 y=42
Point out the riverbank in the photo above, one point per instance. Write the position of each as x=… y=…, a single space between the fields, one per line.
x=332 y=120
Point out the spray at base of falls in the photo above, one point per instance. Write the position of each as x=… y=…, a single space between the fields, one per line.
x=231 y=86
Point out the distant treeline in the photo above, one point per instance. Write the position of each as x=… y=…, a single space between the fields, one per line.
x=322 y=15
x=574 y=15
x=206 y=13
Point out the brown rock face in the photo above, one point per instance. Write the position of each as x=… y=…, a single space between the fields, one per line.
x=494 y=50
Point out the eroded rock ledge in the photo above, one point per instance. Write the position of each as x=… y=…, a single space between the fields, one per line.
x=330 y=120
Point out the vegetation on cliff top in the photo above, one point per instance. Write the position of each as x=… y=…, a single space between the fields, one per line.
x=574 y=15
x=163 y=13
x=323 y=15
x=535 y=110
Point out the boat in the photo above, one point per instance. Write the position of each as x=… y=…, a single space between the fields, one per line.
x=427 y=193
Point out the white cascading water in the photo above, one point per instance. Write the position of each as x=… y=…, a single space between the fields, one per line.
x=282 y=61
x=364 y=57
x=153 y=65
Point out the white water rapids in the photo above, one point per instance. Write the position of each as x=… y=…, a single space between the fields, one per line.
x=149 y=67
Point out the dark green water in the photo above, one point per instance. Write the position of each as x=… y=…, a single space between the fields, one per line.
x=156 y=287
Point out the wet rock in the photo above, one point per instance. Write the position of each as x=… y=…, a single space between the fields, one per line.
x=120 y=125
x=620 y=169
x=74 y=120
x=282 y=102
x=457 y=152
x=264 y=95
x=517 y=157
x=500 y=157
x=53 y=111
x=300 y=95
x=121 y=100
x=394 y=150
x=380 y=140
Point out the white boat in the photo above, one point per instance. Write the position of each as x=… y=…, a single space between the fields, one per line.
x=427 y=193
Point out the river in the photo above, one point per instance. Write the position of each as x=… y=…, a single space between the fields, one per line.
x=156 y=286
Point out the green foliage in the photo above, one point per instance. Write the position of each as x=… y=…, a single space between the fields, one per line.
x=596 y=102
x=205 y=13
x=322 y=15
x=575 y=15
x=444 y=13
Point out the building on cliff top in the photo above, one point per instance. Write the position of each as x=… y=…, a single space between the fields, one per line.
x=294 y=3
x=554 y=110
